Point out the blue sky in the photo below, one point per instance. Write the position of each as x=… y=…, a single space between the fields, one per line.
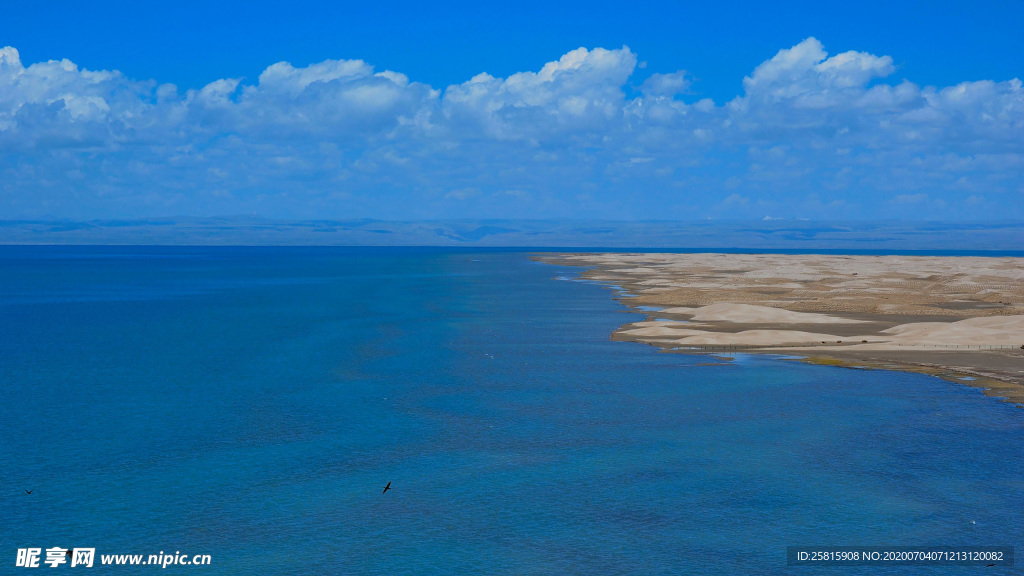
x=677 y=111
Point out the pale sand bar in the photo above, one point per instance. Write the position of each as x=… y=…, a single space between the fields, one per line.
x=953 y=317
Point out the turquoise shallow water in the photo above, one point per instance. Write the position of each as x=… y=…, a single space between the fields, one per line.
x=251 y=403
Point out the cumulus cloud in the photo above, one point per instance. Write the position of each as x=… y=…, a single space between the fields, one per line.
x=812 y=135
x=665 y=85
x=801 y=92
x=55 y=104
x=580 y=91
x=805 y=71
x=327 y=98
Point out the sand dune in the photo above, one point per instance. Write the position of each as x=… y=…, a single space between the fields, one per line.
x=761 y=338
x=889 y=306
x=661 y=330
x=973 y=331
x=679 y=310
x=751 y=314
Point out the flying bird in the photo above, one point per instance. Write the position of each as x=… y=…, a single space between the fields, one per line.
x=386 y=488
x=28 y=491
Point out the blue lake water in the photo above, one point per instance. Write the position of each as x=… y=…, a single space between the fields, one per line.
x=251 y=404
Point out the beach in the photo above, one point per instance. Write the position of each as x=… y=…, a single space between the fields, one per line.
x=959 y=318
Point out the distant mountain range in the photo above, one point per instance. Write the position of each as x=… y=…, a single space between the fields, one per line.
x=705 y=234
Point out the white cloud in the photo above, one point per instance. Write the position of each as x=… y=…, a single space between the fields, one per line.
x=285 y=78
x=87 y=143
x=806 y=73
x=665 y=85
x=580 y=91
x=57 y=104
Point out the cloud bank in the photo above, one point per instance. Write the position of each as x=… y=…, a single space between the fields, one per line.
x=811 y=136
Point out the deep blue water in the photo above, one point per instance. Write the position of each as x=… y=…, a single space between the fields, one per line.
x=251 y=404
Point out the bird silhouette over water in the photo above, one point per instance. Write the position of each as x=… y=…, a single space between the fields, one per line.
x=28 y=491
x=386 y=488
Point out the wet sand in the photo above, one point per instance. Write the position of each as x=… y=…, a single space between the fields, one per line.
x=958 y=318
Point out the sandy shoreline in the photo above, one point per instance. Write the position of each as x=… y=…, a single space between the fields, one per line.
x=958 y=318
